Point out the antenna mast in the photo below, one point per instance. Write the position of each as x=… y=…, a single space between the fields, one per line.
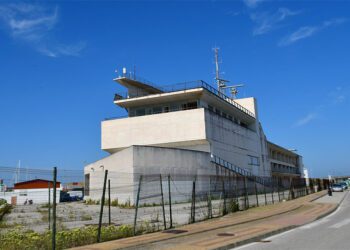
x=221 y=83
x=217 y=72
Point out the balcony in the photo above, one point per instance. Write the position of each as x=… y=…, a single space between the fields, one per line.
x=285 y=170
x=180 y=87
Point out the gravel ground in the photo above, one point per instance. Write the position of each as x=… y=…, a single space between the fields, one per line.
x=78 y=214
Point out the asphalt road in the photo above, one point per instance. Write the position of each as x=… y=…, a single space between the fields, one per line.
x=330 y=233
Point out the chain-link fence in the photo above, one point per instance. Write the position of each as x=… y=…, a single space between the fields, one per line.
x=119 y=204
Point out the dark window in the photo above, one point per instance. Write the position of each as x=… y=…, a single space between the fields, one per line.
x=157 y=110
x=174 y=107
x=244 y=125
x=192 y=105
x=140 y=112
x=87 y=184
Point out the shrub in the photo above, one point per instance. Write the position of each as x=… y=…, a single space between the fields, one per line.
x=2 y=202
x=16 y=239
x=4 y=209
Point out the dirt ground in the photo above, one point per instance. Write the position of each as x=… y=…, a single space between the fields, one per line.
x=78 y=214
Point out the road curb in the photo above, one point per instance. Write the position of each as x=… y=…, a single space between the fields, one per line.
x=244 y=222
x=331 y=211
x=281 y=230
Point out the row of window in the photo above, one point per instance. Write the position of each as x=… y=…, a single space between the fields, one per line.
x=162 y=109
x=282 y=168
x=282 y=157
x=227 y=116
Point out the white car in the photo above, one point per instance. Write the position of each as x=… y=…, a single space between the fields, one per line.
x=337 y=188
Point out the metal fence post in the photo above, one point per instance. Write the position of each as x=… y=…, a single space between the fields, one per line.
x=193 y=205
x=265 y=194
x=170 y=210
x=101 y=209
x=256 y=192
x=278 y=190
x=49 y=208
x=236 y=192
x=246 y=199
x=210 y=213
x=291 y=190
x=161 y=192
x=54 y=209
x=109 y=201
x=137 y=203
x=224 y=210
x=272 y=190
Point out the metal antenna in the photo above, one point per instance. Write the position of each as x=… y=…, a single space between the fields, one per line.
x=217 y=72
x=221 y=83
x=233 y=89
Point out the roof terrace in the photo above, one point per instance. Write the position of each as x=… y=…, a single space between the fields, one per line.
x=139 y=88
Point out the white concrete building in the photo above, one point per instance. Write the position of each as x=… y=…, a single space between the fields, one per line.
x=35 y=190
x=184 y=129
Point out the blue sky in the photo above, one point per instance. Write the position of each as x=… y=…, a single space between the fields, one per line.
x=57 y=62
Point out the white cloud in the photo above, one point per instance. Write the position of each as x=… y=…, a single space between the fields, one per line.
x=34 y=25
x=265 y=22
x=308 y=31
x=338 y=95
x=63 y=50
x=252 y=3
x=306 y=119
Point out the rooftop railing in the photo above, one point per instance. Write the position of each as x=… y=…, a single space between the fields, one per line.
x=185 y=86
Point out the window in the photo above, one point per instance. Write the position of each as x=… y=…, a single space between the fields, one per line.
x=252 y=160
x=157 y=110
x=140 y=112
x=174 y=107
x=87 y=184
x=166 y=109
x=192 y=105
x=131 y=112
x=244 y=125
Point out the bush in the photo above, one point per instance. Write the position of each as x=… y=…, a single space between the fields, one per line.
x=16 y=239
x=4 y=209
x=2 y=202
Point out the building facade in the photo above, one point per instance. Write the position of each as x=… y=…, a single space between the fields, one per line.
x=179 y=129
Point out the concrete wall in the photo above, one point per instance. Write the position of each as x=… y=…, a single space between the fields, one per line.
x=121 y=174
x=166 y=128
x=234 y=143
x=126 y=166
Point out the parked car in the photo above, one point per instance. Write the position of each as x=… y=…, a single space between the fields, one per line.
x=337 y=188
x=344 y=185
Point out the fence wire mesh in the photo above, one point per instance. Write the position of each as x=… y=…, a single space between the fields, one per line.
x=143 y=203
